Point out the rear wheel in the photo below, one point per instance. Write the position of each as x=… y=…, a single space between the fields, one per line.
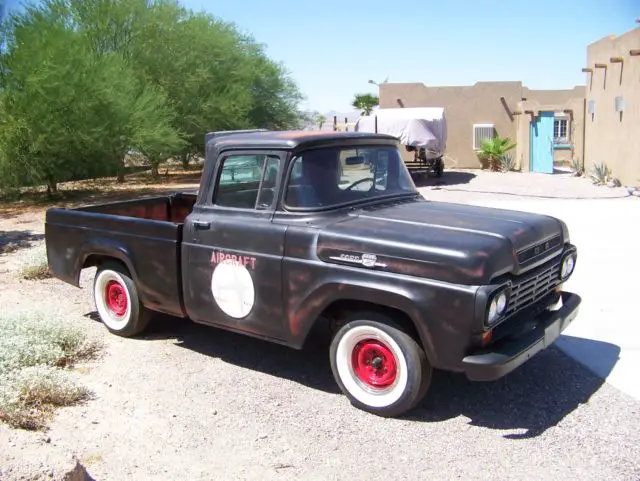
x=379 y=367
x=117 y=302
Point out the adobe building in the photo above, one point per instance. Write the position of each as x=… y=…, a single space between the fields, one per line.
x=596 y=123
x=546 y=125
x=612 y=123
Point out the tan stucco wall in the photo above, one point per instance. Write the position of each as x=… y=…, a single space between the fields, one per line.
x=610 y=138
x=481 y=104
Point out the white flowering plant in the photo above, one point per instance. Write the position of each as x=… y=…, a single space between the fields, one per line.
x=35 y=353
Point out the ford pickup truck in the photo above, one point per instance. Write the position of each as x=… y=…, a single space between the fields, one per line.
x=289 y=229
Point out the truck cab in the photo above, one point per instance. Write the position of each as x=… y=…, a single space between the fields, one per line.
x=289 y=229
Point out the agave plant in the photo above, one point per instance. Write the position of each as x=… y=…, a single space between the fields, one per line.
x=507 y=163
x=601 y=173
x=494 y=150
x=578 y=170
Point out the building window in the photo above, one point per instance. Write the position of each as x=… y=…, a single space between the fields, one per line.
x=482 y=132
x=561 y=130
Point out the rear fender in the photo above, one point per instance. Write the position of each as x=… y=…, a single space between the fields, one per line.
x=103 y=247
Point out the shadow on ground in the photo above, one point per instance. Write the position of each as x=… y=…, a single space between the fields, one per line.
x=448 y=178
x=531 y=399
x=12 y=240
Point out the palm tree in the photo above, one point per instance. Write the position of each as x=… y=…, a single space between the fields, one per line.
x=365 y=103
x=320 y=120
x=494 y=150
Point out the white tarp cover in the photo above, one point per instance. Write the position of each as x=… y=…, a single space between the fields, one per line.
x=416 y=127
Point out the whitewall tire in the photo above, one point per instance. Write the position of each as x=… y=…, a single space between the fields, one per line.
x=379 y=367
x=116 y=299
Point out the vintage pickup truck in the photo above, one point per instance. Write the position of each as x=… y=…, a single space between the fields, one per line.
x=288 y=229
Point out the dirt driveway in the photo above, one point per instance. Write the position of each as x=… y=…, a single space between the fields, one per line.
x=190 y=402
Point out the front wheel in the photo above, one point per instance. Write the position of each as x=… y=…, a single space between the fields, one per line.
x=117 y=302
x=379 y=367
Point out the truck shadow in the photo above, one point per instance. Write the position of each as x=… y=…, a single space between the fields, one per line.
x=448 y=178
x=531 y=399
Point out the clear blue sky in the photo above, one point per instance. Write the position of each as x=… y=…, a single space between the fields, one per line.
x=333 y=47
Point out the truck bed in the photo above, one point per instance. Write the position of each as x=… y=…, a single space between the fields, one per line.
x=146 y=231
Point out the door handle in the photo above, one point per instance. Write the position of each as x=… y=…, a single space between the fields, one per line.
x=201 y=225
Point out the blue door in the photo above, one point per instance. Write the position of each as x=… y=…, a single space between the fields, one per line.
x=541 y=159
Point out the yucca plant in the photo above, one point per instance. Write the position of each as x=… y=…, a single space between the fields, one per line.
x=507 y=163
x=577 y=167
x=601 y=173
x=494 y=150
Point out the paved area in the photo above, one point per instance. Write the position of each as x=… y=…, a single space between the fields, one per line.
x=606 y=335
x=605 y=225
x=465 y=186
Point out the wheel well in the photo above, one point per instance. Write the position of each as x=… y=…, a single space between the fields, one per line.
x=340 y=310
x=96 y=260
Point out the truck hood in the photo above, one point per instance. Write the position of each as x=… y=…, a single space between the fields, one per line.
x=456 y=243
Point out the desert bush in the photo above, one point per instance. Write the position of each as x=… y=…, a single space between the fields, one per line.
x=29 y=396
x=34 y=351
x=35 y=266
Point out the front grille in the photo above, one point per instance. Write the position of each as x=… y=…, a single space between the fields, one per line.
x=533 y=287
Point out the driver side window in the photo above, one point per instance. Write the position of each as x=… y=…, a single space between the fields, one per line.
x=247 y=181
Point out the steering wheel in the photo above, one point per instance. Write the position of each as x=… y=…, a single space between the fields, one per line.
x=360 y=181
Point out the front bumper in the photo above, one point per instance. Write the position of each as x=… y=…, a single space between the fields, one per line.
x=494 y=362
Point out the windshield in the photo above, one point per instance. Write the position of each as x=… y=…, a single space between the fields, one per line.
x=334 y=176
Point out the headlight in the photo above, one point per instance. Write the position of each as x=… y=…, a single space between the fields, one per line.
x=497 y=307
x=568 y=264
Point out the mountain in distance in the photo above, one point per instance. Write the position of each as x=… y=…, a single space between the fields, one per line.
x=310 y=124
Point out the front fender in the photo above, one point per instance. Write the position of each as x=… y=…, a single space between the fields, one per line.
x=303 y=311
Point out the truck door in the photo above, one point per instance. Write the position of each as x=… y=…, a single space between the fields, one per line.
x=231 y=250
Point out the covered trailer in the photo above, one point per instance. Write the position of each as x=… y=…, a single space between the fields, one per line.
x=423 y=132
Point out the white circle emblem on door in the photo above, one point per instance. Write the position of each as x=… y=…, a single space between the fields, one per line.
x=232 y=288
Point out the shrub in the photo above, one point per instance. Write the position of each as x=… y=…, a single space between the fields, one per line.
x=601 y=173
x=34 y=351
x=507 y=163
x=28 y=396
x=35 y=266
x=576 y=166
x=493 y=151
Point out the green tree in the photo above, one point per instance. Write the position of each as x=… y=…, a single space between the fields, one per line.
x=68 y=113
x=215 y=77
x=320 y=120
x=84 y=82
x=365 y=103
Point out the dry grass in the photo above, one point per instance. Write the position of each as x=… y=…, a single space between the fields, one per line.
x=35 y=266
x=35 y=352
x=70 y=194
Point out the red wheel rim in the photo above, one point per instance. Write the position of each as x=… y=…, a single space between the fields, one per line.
x=116 y=298
x=374 y=364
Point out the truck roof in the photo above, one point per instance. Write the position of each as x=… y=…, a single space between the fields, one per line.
x=291 y=139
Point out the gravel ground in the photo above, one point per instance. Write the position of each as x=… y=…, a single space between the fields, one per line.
x=465 y=186
x=191 y=402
